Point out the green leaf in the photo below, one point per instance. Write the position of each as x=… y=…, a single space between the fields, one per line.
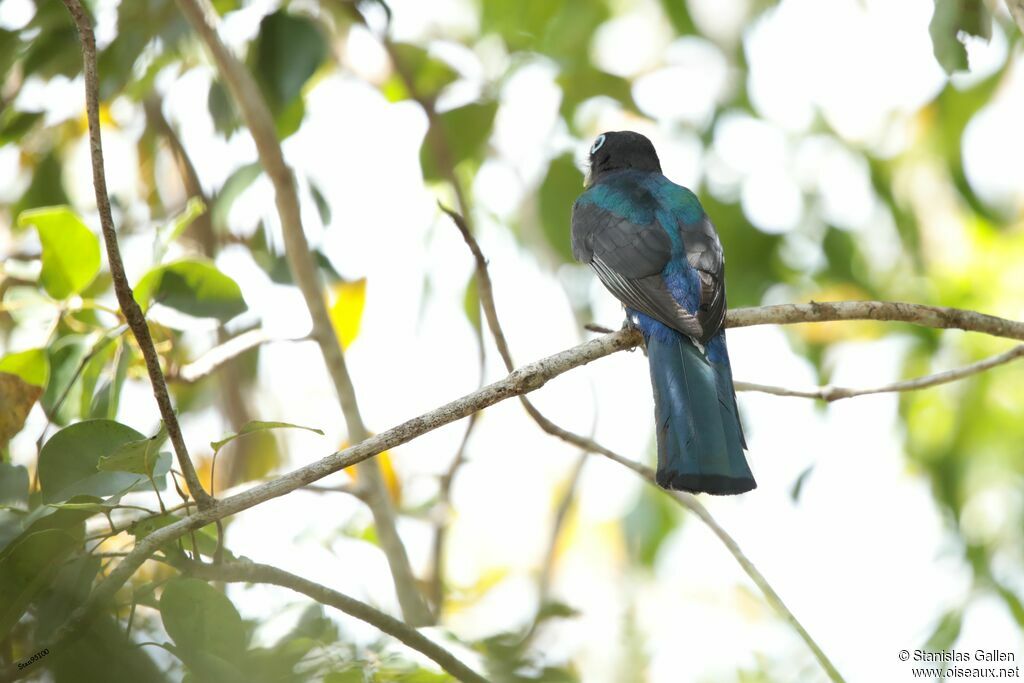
x=428 y=75
x=257 y=426
x=47 y=186
x=952 y=17
x=946 y=631
x=235 y=185
x=10 y=45
x=462 y=132
x=26 y=568
x=179 y=224
x=285 y=54
x=107 y=399
x=53 y=52
x=65 y=356
x=222 y=109
x=678 y=12
x=13 y=486
x=15 y=124
x=90 y=507
x=71 y=252
x=521 y=23
x=648 y=524
x=585 y=82
x=553 y=609
x=139 y=456
x=201 y=619
x=798 y=485
x=323 y=208
x=68 y=461
x=561 y=186
x=33 y=366
x=100 y=355
x=471 y=304
x=192 y=287
x=45 y=517
x=69 y=590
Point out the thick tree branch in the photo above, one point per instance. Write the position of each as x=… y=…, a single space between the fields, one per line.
x=250 y=572
x=590 y=446
x=887 y=311
x=132 y=312
x=254 y=110
x=830 y=393
x=526 y=379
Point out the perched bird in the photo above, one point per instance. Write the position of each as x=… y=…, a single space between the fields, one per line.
x=655 y=249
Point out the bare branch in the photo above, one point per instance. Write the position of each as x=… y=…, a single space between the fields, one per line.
x=524 y=380
x=254 y=110
x=590 y=446
x=444 y=495
x=132 y=313
x=830 y=393
x=888 y=311
x=547 y=568
x=213 y=359
x=528 y=378
x=250 y=572
x=691 y=503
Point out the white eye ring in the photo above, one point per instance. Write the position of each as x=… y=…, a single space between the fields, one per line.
x=597 y=144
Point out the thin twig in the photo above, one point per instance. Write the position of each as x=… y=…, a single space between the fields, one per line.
x=436 y=591
x=547 y=569
x=231 y=386
x=254 y=110
x=132 y=313
x=590 y=446
x=830 y=393
x=232 y=348
x=561 y=514
x=250 y=572
x=444 y=495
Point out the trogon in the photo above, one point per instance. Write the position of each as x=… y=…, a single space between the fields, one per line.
x=653 y=246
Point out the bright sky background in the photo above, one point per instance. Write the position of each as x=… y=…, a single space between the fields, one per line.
x=864 y=560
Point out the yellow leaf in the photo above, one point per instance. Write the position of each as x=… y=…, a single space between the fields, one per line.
x=16 y=398
x=387 y=470
x=204 y=470
x=347 y=302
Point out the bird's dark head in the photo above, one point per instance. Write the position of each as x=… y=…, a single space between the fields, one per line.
x=620 y=150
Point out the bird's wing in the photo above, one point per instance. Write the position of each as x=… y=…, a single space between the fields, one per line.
x=629 y=254
x=705 y=256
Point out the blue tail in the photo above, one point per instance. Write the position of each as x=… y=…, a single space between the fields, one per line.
x=700 y=439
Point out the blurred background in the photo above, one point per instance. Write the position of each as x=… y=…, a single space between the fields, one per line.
x=838 y=159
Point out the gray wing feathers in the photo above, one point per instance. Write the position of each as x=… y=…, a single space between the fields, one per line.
x=629 y=258
x=649 y=295
x=704 y=254
x=629 y=249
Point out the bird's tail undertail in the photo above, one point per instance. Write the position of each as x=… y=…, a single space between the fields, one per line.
x=700 y=440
